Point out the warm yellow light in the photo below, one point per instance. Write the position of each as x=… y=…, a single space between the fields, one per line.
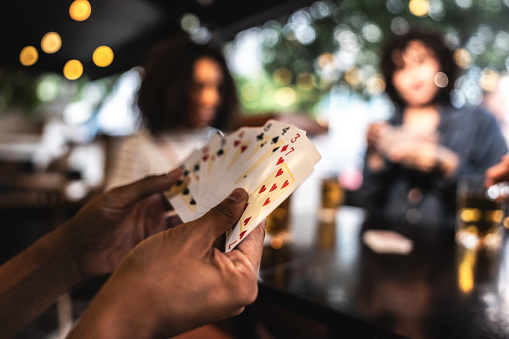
x=103 y=56
x=282 y=76
x=80 y=10
x=326 y=60
x=419 y=7
x=375 y=85
x=462 y=58
x=489 y=80
x=51 y=42
x=285 y=96
x=73 y=69
x=305 y=81
x=466 y=272
x=353 y=76
x=28 y=56
x=276 y=243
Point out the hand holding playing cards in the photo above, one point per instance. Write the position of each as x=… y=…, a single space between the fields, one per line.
x=268 y=162
x=102 y=233
x=177 y=280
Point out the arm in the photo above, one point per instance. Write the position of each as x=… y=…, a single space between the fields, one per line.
x=33 y=280
x=176 y=280
x=90 y=244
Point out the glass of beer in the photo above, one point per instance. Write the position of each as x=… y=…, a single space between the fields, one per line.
x=479 y=218
x=332 y=197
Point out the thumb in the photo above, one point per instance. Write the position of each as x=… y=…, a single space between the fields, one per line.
x=222 y=217
x=132 y=193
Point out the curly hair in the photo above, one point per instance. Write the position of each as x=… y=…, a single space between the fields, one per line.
x=164 y=96
x=435 y=43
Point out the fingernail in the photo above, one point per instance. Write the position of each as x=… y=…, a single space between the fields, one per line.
x=236 y=195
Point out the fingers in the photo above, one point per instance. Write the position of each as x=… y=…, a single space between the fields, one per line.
x=147 y=186
x=223 y=216
x=252 y=246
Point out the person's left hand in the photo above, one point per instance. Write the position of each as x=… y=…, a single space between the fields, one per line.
x=102 y=232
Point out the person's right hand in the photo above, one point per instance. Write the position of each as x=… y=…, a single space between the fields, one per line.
x=374 y=135
x=177 y=280
x=498 y=172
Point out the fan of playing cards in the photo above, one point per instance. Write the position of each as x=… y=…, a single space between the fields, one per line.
x=269 y=162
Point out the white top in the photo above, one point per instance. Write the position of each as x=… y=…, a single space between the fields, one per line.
x=142 y=154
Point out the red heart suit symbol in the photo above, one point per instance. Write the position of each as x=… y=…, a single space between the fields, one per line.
x=246 y=221
x=285 y=184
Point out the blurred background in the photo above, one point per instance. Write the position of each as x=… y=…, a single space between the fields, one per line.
x=68 y=81
x=319 y=61
x=68 y=77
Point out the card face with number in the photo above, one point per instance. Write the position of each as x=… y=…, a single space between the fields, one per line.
x=287 y=174
x=269 y=162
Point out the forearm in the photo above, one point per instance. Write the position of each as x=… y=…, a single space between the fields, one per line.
x=119 y=310
x=32 y=281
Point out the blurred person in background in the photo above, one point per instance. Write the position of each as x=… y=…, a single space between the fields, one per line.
x=413 y=160
x=186 y=94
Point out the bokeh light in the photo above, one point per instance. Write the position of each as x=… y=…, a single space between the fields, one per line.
x=276 y=243
x=325 y=61
x=103 y=56
x=285 y=96
x=73 y=69
x=462 y=58
x=441 y=79
x=190 y=23
x=49 y=88
x=51 y=42
x=375 y=85
x=353 y=76
x=80 y=10
x=282 y=76
x=305 y=81
x=419 y=7
x=28 y=56
x=489 y=80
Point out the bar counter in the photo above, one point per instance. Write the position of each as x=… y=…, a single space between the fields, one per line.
x=325 y=273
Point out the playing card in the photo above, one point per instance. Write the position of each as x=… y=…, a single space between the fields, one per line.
x=182 y=200
x=183 y=196
x=265 y=141
x=209 y=153
x=286 y=176
x=269 y=162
